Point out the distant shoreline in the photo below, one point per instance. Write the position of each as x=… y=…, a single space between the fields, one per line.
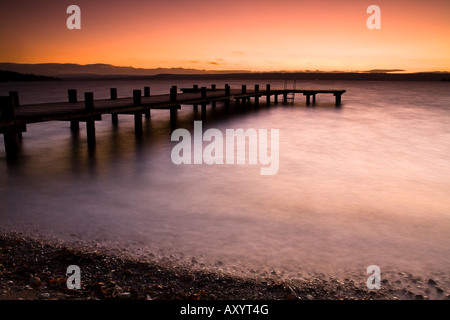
x=273 y=76
x=9 y=76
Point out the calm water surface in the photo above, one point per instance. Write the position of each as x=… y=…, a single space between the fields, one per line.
x=367 y=183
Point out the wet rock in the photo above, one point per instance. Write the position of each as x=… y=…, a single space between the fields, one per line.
x=419 y=297
x=439 y=290
x=432 y=282
x=124 y=296
x=44 y=296
x=35 y=282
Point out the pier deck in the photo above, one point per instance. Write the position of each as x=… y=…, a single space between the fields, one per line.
x=14 y=117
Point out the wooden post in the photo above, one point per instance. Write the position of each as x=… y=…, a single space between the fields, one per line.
x=256 y=87
x=173 y=94
x=89 y=101
x=74 y=124
x=213 y=87
x=227 y=105
x=203 y=92
x=195 y=87
x=244 y=90
x=8 y=114
x=268 y=94
x=275 y=98
x=137 y=97
x=203 y=111
x=284 y=97
x=15 y=97
x=195 y=107
x=338 y=98
x=173 y=117
x=203 y=105
x=72 y=95
x=227 y=90
x=90 y=122
x=113 y=93
x=308 y=99
x=138 y=114
x=147 y=94
x=113 y=96
x=314 y=99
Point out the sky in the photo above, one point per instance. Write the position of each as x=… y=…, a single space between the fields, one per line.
x=291 y=35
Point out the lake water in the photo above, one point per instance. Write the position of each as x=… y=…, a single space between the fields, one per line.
x=364 y=184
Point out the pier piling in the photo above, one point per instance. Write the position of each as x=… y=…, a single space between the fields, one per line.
x=227 y=90
x=15 y=96
x=90 y=122
x=74 y=124
x=10 y=136
x=173 y=117
x=268 y=94
x=146 y=91
x=173 y=94
x=137 y=101
x=113 y=96
x=338 y=98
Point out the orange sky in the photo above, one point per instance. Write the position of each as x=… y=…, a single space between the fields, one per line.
x=228 y=35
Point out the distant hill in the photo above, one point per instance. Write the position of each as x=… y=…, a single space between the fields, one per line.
x=69 y=70
x=16 y=76
x=47 y=71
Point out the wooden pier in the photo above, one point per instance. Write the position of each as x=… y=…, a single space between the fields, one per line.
x=14 y=117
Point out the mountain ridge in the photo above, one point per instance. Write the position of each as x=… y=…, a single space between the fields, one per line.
x=71 y=71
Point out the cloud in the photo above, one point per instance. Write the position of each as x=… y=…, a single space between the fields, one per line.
x=384 y=70
x=213 y=62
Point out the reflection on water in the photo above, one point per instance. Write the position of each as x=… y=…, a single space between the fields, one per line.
x=364 y=184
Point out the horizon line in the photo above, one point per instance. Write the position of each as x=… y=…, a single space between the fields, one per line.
x=376 y=70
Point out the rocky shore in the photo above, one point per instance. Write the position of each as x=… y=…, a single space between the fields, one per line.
x=34 y=269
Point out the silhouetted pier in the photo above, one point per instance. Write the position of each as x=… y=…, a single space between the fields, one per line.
x=14 y=117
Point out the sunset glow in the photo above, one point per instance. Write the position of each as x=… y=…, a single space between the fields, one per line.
x=230 y=35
